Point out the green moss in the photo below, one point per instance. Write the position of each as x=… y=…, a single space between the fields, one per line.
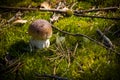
x=85 y=61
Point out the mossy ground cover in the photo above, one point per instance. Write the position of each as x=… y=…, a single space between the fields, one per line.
x=73 y=58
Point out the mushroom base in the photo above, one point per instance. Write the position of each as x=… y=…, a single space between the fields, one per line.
x=40 y=43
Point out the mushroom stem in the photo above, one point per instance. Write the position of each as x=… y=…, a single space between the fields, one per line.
x=40 y=43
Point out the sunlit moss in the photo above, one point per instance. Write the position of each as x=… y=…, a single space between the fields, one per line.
x=89 y=61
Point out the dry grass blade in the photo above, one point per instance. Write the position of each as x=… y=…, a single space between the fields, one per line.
x=76 y=46
x=12 y=67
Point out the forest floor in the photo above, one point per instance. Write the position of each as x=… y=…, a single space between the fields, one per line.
x=69 y=57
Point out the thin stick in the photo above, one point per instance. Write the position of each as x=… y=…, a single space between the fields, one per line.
x=31 y=9
x=56 y=10
x=73 y=34
x=99 y=9
x=51 y=76
x=76 y=13
x=112 y=18
x=17 y=15
x=76 y=46
x=106 y=41
x=17 y=8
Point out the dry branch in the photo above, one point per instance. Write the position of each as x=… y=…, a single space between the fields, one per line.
x=57 y=10
x=17 y=16
x=17 y=8
x=106 y=40
x=112 y=18
x=31 y=9
x=94 y=10
x=77 y=13
x=50 y=76
x=73 y=34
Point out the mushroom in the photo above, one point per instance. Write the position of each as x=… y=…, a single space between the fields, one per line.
x=40 y=32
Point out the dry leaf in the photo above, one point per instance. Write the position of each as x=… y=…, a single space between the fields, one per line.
x=45 y=5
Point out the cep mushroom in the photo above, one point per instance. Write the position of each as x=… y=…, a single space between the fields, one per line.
x=40 y=32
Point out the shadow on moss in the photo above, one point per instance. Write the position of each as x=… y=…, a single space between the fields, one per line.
x=19 y=48
x=9 y=2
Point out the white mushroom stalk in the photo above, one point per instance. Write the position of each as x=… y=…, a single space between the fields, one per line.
x=40 y=32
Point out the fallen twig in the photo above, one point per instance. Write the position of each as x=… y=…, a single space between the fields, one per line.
x=17 y=16
x=112 y=18
x=73 y=34
x=31 y=9
x=56 y=10
x=106 y=40
x=17 y=8
x=94 y=10
x=75 y=12
x=76 y=46
x=51 y=76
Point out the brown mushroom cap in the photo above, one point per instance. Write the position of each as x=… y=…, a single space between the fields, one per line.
x=40 y=30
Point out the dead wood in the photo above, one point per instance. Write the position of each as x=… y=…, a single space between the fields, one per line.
x=57 y=10
x=106 y=41
x=76 y=12
x=50 y=76
x=31 y=9
x=94 y=10
x=102 y=17
x=17 y=8
x=17 y=16
x=82 y=35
